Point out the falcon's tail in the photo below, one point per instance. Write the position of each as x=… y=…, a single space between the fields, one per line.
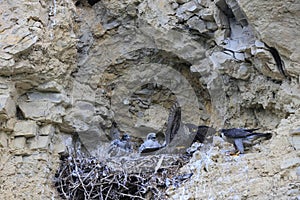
x=255 y=138
x=267 y=136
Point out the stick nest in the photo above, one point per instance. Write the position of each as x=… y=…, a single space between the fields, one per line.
x=143 y=177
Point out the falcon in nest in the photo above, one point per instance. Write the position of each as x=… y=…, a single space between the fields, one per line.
x=123 y=143
x=151 y=144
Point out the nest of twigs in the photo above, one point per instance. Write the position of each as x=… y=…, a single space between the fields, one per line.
x=82 y=177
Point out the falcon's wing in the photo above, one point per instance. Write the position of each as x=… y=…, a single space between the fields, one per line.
x=251 y=130
x=174 y=121
x=236 y=133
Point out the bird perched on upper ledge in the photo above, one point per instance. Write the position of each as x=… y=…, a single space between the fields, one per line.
x=240 y=137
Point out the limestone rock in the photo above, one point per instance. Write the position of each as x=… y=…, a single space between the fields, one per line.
x=8 y=125
x=295 y=138
x=19 y=142
x=298 y=172
x=221 y=35
x=51 y=86
x=42 y=110
x=161 y=13
x=197 y=24
x=222 y=62
x=39 y=142
x=271 y=29
x=154 y=119
x=17 y=40
x=59 y=144
x=207 y=14
x=5 y=56
x=212 y=26
x=47 y=97
x=7 y=106
x=47 y=130
x=6 y=65
x=241 y=38
x=221 y=19
x=93 y=139
x=26 y=129
x=185 y=11
x=79 y=116
x=82 y=92
x=290 y=162
x=237 y=12
x=3 y=140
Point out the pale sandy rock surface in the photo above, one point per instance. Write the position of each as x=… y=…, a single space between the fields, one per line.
x=69 y=67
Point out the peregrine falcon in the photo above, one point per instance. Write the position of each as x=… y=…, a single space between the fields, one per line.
x=123 y=143
x=150 y=144
x=180 y=136
x=240 y=137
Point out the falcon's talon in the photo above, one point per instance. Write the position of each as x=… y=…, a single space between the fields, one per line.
x=230 y=153
x=236 y=153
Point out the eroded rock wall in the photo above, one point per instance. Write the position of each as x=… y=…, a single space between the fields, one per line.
x=78 y=67
x=38 y=54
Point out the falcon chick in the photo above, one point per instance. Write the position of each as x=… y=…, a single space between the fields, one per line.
x=150 y=144
x=240 y=137
x=123 y=143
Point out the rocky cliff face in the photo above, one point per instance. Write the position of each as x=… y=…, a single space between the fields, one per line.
x=80 y=66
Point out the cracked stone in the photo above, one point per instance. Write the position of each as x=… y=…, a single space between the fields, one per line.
x=26 y=129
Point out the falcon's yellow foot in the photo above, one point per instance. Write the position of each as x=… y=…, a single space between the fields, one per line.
x=230 y=153
x=235 y=153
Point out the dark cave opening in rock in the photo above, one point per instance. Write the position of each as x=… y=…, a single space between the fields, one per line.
x=162 y=61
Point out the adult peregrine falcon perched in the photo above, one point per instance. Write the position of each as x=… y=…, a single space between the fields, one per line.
x=150 y=144
x=240 y=137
